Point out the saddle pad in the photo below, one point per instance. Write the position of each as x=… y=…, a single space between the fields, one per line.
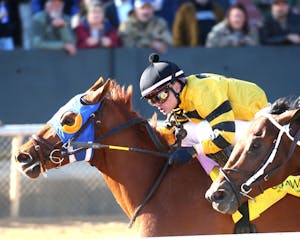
x=270 y=196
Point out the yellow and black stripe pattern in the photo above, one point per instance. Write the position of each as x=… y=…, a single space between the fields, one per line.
x=220 y=101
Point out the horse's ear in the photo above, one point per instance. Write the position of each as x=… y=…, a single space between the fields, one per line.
x=291 y=116
x=96 y=85
x=296 y=116
x=129 y=96
x=97 y=94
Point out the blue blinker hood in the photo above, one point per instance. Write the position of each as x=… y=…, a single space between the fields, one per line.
x=75 y=106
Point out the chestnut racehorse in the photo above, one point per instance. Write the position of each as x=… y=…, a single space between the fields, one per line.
x=131 y=160
x=268 y=153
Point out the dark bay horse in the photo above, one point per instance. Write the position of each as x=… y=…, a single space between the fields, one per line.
x=178 y=206
x=268 y=153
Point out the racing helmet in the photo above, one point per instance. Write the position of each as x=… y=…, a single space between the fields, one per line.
x=158 y=75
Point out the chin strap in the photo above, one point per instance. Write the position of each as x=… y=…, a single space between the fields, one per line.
x=177 y=94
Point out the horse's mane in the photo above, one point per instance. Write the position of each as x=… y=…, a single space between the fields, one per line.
x=118 y=93
x=285 y=103
x=122 y=96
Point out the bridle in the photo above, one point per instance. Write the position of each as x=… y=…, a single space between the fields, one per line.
x=39 y=142
x=261 y=172
x=64 y=151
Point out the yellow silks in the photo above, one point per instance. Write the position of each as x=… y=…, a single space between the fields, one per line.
x=262 y=202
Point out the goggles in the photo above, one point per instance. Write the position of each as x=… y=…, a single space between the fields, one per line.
x=160 y=97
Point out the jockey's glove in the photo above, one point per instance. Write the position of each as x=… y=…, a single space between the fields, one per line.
x=182 y=155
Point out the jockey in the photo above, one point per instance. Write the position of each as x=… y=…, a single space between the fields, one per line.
x=224 y=104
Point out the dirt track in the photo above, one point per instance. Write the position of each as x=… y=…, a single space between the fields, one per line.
x=88 y=228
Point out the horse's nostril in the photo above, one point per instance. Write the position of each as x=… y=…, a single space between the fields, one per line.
x=23 y=158
x=218 y=196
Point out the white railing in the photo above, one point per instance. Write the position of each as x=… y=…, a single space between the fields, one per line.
x=251 y=236
x=18 y=133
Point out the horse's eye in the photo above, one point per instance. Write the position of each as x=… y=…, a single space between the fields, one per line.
x=67 y=119
x=258 y=134
x=254 y=145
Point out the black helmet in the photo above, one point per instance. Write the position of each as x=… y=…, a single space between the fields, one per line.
x=158 y=74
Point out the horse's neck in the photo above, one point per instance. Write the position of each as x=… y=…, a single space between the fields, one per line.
x=129 y=178
x=178 y=200
x=129 y=175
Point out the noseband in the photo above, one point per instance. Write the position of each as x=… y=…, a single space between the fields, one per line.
x=37 y=143
x=261 y=172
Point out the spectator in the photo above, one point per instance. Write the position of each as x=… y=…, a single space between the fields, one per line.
x=51 y=28
x=234 y=30
x=281 y=27
x=79 y=11
x=264 y=6
x=96 y=31
x=143 y=29
x=193 y=22
x=117 y=11
x=7 y=26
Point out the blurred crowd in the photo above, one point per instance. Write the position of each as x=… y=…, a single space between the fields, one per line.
x=70 y=25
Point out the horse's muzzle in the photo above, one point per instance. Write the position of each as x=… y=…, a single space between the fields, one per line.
x=222 y=198
x=27 y=165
